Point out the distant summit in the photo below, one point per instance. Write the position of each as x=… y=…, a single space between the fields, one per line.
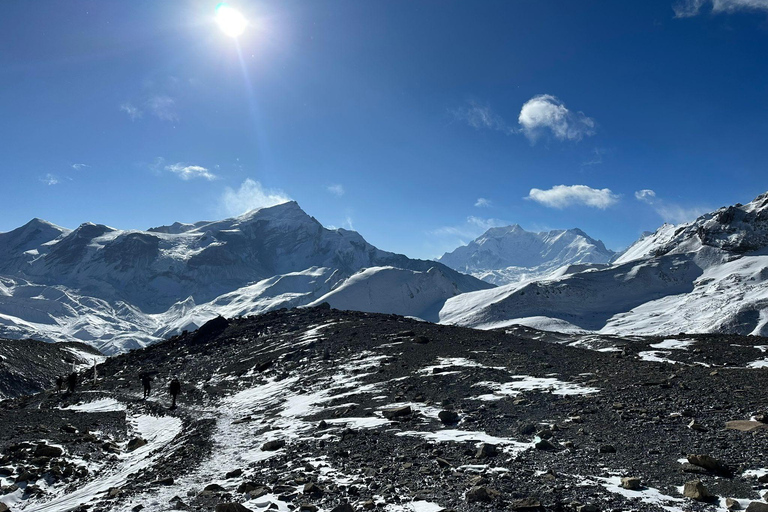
x=509 y=254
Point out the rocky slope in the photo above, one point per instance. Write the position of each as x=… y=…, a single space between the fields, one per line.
x=318 y=409
x=123 y=289
x=706 y=276
x=511 y=254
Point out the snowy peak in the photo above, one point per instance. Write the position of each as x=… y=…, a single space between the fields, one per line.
x=504 y=248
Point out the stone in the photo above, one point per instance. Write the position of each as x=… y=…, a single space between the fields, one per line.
x=486 y=450
x=313 y=489
x=763 y=479
x=4 y=508
x=481 y=493
x=732 y=504
x=396 y=412
x=745 y=425
x=607 y=448
x=696 y=491
x=694 y=425
x=588 y=508
x=526 y=505
x=344 y=507
x=45 y=450
x=233 y=474
x=757 y=506
x=442 y=463
x=545 y=445
x=632 y=483
x=135 y=443
x=164 y=481
x=448 y=417
x=271 y=446
x=710 y=464
x=307 y=507
x=231 y=507
x=113 y=492
x=214 y=489
x=421 y=340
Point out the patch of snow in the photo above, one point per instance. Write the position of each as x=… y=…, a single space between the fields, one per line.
x=673 y=344
x=528 y=383
x=100 y=405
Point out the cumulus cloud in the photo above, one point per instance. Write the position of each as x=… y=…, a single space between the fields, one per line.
x=481 y=116
x=163 y=107
x=50 y=179
x=669 y=211
x=483 y=202
x=189 y=172
x=688 y=8
x=562 y=196
x=337 y=190
x=79 y=167
x=545 y=113
x=250 y=196
x=132 y=111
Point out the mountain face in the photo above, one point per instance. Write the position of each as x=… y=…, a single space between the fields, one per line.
x=710 y=275
x=122 y=289
x=510 y=254
x=337 y=411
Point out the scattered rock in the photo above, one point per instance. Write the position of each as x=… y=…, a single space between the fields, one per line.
x=543 y=444
x=696 y=491
x=44 y=450
x=486 y=450
x=527 y=505
x=732 y=504
x=313 y=489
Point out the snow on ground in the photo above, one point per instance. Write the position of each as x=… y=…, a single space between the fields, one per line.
x=528 y=383
x=673 y=344
x=656 y=356
x=647 y=495
x=100 y=405
x=158 y=431
x=453 y=362
x=415 y=506
x=463 y=436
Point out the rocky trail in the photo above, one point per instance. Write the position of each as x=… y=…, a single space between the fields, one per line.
x=318 y=409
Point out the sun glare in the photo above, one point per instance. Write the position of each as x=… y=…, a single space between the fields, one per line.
x=230 y=20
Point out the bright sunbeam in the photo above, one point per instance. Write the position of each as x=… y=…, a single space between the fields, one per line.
x=230 y=20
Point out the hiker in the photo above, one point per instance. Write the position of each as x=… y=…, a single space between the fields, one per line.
x=174 y=388
x=145 y=381
x=59 y=383
x=72 y=382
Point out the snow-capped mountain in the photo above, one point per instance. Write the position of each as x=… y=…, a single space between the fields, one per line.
x=710 y=275
x=121 y=289
x=511 y=254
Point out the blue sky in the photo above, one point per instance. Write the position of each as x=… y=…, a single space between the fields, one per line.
x=417 y=123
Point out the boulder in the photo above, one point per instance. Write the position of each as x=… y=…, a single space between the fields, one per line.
x=45 y=450
x=214 y=489
x=745 y=425
x=397 y=412
x=763 y=479
x=448 y=417
x=135 y=443
x=313 y=489
x=696 y=491
x=233 y=474
x=231 y=507
x=344 y=507
x=481 y=494
x=164 y=481
x=632 y=483
x=486 y=450
x=710 y=464
x=543 y=444
x=607 y=448
x=757 y=506
x=732 y=504
x=271 y=446
x=527 y=505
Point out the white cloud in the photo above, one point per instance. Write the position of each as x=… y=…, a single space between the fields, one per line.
x=188 y=172
x=337 y=190
x=483 y=202
x=132 y=111
x=481 y=116
x=163 y=107
x=470 y=229
x=668 y=211
x=79 y=167
x=546 y=112
x=348 y=223
x=688 y=8
x=250 y=196
x=562 y=196
x=50 y=179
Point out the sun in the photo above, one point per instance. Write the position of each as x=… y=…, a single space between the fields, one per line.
x=230 y=20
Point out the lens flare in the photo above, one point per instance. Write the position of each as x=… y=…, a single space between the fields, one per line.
x=230 y=20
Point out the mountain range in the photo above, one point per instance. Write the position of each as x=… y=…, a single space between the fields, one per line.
x=118 y=289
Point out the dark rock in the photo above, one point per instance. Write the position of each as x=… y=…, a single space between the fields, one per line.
x=632 y=483
x=344 y=507
x=732 y=504
x=481 y=493
x=607 y=448
x=313 y=489
x=135 y=443
x=164 y=481
x=271 y=446
x=448 y=417
x=543 y=444
x=757 y=506
x=396 y=412
x=44 y=450
x=486 y=450
x=527 y=505
x=234 y=473
x=231 y=507
x=421 y=340
x=214 y=488
x=763 y=479
x=710 y=464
